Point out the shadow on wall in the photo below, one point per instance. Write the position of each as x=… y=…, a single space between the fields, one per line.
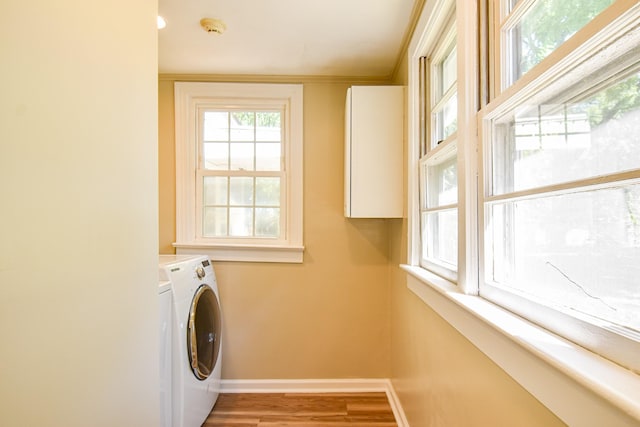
x=370 y=233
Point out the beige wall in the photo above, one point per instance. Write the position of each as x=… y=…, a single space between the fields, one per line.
x=440 y=377
x=78 y=224
x=346 y=311
x=327 y=317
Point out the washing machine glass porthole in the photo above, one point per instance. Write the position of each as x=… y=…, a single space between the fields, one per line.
x=203 y=332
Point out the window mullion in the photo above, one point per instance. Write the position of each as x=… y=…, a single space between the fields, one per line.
x=582 y=185
x=441 y=208
x=510 y=18
x=440 y=103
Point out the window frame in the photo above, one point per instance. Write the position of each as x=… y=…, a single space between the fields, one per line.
x=441 y=155
x=435 y=149
x=595 y=390
x=190 y=98
x=202 y=172
x=440 y=96
x=569 y=63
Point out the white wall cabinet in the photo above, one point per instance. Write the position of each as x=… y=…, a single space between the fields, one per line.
x=374 y=118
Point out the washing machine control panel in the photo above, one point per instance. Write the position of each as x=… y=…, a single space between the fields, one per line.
x=200 y=272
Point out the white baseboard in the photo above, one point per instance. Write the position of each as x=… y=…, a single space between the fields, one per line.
x=364 y=385
x=396 y=407
x=304 y=386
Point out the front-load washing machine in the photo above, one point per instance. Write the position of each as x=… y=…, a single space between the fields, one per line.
x=165 y=306
x=196 y=337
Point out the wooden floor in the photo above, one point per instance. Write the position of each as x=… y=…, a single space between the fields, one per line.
x=302 y=409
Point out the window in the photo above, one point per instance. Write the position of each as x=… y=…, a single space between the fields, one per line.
x=561 y=198
x=533 y=29
x=554 y=233
x=547 y=177
x=239 y=171
x=240 y=174
x=438 y=163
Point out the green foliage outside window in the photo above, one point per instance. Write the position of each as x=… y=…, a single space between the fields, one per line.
x=550 y=23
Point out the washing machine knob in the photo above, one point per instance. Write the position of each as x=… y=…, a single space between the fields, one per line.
x=200 y=272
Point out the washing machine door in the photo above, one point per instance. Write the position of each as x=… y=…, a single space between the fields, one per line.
x=203 y=332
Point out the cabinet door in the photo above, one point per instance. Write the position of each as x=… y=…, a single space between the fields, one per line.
x=373 y=152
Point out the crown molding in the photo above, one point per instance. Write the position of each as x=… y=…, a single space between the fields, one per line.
x=264 y=78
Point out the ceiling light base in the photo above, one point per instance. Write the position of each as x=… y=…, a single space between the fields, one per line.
x=212 y=25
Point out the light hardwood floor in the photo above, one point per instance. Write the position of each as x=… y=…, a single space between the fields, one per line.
x=302 y=409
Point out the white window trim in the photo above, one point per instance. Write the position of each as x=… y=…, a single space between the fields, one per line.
x=188 y=95
x=579 y=386
x=618 y=35
x=434 y=15
x=447 y=147
x=446 y=151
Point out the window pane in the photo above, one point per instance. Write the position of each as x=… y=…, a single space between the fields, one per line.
x=547 y=25
x=268 y=191
x=241 y=222
x=215 y=190
x=268 y=126
x=440 y=237
x=449 y=70
x=268 y=155
x=446 y=120
x=241 y=191
x=242 y=126
x=214 y=222
x=216 y=126
x=241 y=156
x=555 y=143
x=577 y=251
x=442 y=182
x=216 y=155
x=267 y=222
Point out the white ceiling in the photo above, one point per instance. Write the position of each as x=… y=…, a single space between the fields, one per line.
x=361 y=38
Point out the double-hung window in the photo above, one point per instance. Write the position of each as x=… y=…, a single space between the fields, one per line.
x=561 y=161
x=239 y=171
x=540 y=177
x=438 y=185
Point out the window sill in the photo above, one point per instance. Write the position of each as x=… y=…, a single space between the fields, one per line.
x=243 y=253
x=580 y=387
